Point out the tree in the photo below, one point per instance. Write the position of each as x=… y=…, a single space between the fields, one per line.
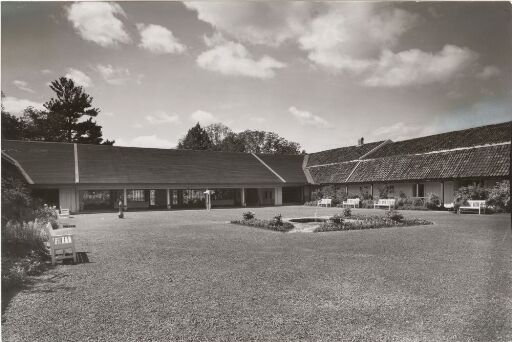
x=12 y=126
x=232 y=143
x=196 y=139
x=217 y=132
x=66 y=111
x=268 y=142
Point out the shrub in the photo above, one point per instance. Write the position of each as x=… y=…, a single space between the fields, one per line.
x=370 y=222
x=22 y=239
x=337 y=195
x=45 y=215
x=394 y=216
x=347 y=212
x=16 y=201
x=367 y=203
x=277 y=220
x=433 y=201
x=418 y=202
x=311 y=203
x=471 y=192
x=265 y=224
x=248 y=215
x=499 y=196
x=337 y=219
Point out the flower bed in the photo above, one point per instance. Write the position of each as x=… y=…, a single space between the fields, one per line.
x=265 y=224
x=358 y=222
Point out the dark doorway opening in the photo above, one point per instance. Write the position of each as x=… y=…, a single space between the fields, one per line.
x=47 y=196
x=292 y=195
x=251 y=197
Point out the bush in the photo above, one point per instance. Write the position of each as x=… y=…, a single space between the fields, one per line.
x=347 y=212
x=499 y=197
x=367 y=203
x=248 y=215
x=433 y=201
x=22 y=239
x=336 y=219
x=337 y=195
x=465 y=193
x=394 y=216
x=45 y=215
x=16 y=201
x=311 y=203
x=277 y=220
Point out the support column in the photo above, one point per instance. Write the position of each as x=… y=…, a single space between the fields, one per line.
x=243 y=197
x=371 y=189
x=278 y=198
x=442 y=194
x=346 y=189
x=125 y=199
x=168 y=199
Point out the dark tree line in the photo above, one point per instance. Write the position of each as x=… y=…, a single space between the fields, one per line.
x=67 y=117
x=218 y=137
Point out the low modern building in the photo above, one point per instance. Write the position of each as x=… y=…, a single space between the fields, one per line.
x=95 y=177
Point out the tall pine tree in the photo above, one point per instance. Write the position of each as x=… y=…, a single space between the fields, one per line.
x=196 y=139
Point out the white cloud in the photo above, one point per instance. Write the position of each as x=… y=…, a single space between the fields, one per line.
x=401 y=131
x=488 y=72
x=46 y=71
x=145 y=141
x=230 y=58
x=111 y=114
x=99 y=22
x=23 y=86
x=204 y=118
x=15 y=105
x=415 y=67
x=255 y=22
x=161 y=117
x=334 y=38
x=159 y=40
x=79 y=77
x=114 y=75
x=306 y=118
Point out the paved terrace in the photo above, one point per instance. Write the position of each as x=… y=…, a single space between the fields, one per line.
x=188 y=275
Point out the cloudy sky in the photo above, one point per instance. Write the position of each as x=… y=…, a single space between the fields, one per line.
x=321 y=74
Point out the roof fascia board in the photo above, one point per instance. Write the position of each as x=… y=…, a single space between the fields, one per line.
x=19 y=167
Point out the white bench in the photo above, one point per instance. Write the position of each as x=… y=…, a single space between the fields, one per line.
x=325 y=202
x=351 y=202
x=473 y=205
x=59 y=242
x=389 y=203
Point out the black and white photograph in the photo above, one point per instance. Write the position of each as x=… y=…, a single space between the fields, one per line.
x=256 y=171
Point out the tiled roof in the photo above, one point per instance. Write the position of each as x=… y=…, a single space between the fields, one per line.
x=45 y=163
x=111 y=164
x=490 y=161
x=287 y=166
x=53 y=163
x=490 y=134
x=333 y=173
x=342 y=154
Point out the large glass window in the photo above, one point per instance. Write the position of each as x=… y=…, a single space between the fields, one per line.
x=136 y=196
x=95 y=199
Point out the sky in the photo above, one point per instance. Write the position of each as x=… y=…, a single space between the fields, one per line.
x=320 y=74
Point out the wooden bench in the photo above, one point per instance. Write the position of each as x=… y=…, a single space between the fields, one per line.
x=351 y=202
x=60 y=242
x=389 y=203
x=325 y=202
x=473 y=205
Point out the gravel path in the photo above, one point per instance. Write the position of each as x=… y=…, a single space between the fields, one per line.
x=189 y=275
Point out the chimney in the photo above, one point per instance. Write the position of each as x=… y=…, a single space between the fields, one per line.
x=360 y=142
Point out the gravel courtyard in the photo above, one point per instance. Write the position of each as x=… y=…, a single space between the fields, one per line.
x=190 y=275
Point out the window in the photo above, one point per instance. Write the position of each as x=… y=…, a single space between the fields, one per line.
x=418 y=190
x=151 y=197
x=136 y=196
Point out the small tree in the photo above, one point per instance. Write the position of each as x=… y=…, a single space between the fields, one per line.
x=196 y=139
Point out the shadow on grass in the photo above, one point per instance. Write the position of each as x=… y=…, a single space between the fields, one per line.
x=35 y=278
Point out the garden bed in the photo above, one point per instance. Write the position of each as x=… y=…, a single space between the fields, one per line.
x=358 y=222
x=265 y=224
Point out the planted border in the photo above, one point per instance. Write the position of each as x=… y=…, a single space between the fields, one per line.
x=370 y=222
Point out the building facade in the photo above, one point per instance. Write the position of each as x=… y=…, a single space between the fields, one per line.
x=97 y=177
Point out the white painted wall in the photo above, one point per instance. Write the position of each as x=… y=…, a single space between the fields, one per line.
x=68 y=200
x=449 y=188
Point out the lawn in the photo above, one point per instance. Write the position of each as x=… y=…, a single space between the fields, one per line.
x=190 y=275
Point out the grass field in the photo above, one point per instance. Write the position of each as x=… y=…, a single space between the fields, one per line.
x=190 y=275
